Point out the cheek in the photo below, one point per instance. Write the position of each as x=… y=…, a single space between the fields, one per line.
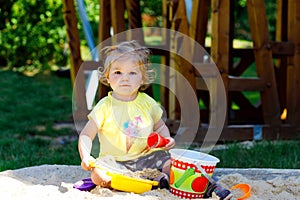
x=140 y=77
x=139 y=80
x=112 y=78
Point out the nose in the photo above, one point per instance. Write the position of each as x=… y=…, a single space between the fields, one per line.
x=125 y=76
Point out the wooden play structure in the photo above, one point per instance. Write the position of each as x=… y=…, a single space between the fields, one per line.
x=277 y=116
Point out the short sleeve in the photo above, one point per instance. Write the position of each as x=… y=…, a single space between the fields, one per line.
x=156 y=112
x=155 y=108
x=98 y=114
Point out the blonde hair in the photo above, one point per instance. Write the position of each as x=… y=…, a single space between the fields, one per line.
x=128 y=49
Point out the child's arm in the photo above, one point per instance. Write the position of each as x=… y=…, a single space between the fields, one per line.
x=161 y=128
x=86 y=137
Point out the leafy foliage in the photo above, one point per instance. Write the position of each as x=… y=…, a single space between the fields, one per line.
x=152 y=8
x=33 y=35
x=241 y=24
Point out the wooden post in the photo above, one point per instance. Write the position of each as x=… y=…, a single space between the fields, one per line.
x=184 y=67
x=103 y=34
x=297 y=64
x=135 y=20
x=173 y=103
x=264 y=63
x=184 y=48
x=198 y=28
x=164 y=97
x=220 y=41
x=281 y=63
x=293 y=85
x=104 y=21
x=199 y=21
x=290 y=65
x=117 y=9
x=79 y=91
x=70 y=19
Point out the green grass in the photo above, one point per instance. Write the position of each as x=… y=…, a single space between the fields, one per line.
x=264 y=154
x=29 y=107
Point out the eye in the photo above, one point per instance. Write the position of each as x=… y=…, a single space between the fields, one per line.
x=133 y=73
x=117 y=72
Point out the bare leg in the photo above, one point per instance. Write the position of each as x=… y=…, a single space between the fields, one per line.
x=166 y=168
x=99 y=177
x=163 y=179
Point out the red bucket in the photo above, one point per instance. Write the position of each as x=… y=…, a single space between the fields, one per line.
x=186 y=181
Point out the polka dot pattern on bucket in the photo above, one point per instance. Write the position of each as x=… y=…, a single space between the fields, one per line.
x=185 y=195
x=184 y=165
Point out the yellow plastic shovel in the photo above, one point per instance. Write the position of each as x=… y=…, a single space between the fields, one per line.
x=129 y=184
x=126 y=183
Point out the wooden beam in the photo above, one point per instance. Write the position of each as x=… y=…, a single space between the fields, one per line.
x=281 y=61
x=297 y=64
x=264 y=63
x=104 y=21
x=117 y=9
x=71 y=22
x=283 y=48
x=239 y=68
x=293 y=88
x=235 y=133
x=104 y=28
x=182 y=59
x=290 y=73
x=198 y=27
x=135 y=20
x=245 y=84
x=220 y=46
x=220 y=36
x=79 y=91
x=236 y=84
x=199 y=21
x=278 y=48
x=165 y=58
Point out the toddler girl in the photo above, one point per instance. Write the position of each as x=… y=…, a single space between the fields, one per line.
x=126 y=116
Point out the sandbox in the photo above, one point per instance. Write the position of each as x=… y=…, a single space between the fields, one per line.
x=56 y=182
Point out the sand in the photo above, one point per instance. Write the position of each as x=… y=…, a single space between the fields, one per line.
x=56 y=182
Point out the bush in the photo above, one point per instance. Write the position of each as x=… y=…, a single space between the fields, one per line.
x=34 y=35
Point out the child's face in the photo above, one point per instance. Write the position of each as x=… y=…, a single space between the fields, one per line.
x=125 y=78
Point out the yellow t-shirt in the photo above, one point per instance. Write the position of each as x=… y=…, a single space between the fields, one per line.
x=117 y=119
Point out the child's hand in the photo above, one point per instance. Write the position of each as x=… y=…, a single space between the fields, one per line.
x=170 y=144
x=85 y=163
